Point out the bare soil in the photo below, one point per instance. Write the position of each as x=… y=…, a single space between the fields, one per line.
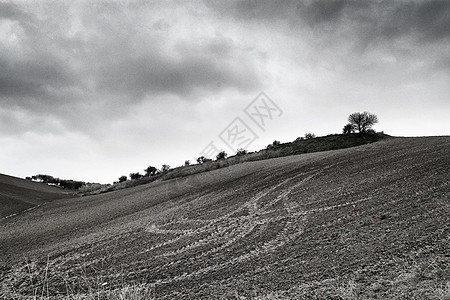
x=17 y=195
x=370 y=222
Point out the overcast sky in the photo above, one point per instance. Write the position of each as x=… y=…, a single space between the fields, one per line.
x=94 y=90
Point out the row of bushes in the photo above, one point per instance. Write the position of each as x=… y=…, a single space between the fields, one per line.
x=63 y=183
x=361 y=122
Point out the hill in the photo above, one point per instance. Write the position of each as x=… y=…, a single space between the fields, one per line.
x=299 y=146
x=358 y=223
x=17 y=194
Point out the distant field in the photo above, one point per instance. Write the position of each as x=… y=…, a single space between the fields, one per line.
x=367 y=222
x=17 y=194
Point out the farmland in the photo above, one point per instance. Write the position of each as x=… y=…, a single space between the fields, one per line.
x=371 y=221
x=17 y=195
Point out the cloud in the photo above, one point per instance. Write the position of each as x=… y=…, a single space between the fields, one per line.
x=100 y=56
x=422 y=20
x=384 y=43
x=211 y=67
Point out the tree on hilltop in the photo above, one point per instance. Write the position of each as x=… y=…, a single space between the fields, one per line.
x=362 y=121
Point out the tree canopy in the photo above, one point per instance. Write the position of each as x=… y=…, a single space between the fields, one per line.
x=362 y=121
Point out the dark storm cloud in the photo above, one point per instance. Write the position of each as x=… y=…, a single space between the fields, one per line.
x=425 y=20
x=73 y=62
x=13 y=12
x=35 y=70
x=292 y=12
x=321 y=11
x=29 y=70
x=421 y=22
x=212 y=67
x=33 y=77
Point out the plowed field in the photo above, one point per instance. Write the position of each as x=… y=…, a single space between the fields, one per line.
x=371 y=222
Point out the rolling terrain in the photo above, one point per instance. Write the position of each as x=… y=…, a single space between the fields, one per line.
x=17 y=195
x=369 y=222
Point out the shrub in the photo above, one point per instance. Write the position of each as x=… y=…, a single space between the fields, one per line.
x=241 y=151
x=150 y=171
x=136 y=175
x=221 y=155
x=274 y=145
x=203 y=159
x=371 y=132
x=165 y=168
x=349 y=128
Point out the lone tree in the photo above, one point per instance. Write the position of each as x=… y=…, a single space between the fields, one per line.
x=122 y=178
x=362 y=121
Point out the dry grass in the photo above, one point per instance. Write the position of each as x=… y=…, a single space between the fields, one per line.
x=419 y=281
x=37 y=280
x=127 y=292
x=442 y=292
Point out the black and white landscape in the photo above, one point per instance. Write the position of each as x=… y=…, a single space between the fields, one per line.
x=224 y=149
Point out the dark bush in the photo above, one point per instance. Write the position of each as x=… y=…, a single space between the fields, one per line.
x=136 y=175
x=309 y=136
x=165 y=168
x=203 y=159
x=349 y=128
x=241 y=151
x=150 y=171
x=274 y=145
x=221 y=155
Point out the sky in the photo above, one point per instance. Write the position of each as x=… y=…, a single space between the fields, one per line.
x=92 y=90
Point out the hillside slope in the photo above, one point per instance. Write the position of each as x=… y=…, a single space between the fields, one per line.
x=368 y=222
x=17 y=194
